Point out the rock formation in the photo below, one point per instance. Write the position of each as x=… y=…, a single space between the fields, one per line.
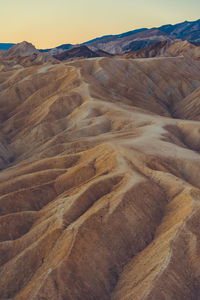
x=100 y=181
x=24 y=54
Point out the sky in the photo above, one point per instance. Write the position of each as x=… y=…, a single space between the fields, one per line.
x=49 y=23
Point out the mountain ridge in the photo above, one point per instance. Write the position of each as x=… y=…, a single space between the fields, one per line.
x=187 y=30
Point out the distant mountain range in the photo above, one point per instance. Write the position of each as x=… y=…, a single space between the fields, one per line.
x=136 y=40
x=6 y=46
x=130 y=41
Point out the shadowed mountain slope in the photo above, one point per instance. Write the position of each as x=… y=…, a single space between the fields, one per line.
x=139 y=39
x=189 y=31
x=133 y=41
x=168 y=49
x=81 y=52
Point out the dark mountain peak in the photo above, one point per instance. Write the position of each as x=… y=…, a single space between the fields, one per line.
x=77 y=52
x=81 y=51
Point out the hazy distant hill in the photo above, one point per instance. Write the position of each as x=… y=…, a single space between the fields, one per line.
x=140 y=39
x=6 y=46
x=57 y=50
x=116 y=36
x=189 y=31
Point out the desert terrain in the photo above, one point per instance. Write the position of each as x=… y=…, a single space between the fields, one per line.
x=100 y=178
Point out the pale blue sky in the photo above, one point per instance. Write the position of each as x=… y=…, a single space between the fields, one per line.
x=48 y=23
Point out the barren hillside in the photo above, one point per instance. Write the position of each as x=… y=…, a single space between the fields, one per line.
x=166 y=49
x=100 y=181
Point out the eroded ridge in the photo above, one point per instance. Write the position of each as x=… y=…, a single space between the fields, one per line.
x=99 y=187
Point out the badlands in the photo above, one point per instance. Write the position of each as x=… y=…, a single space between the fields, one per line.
x=100 y=178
